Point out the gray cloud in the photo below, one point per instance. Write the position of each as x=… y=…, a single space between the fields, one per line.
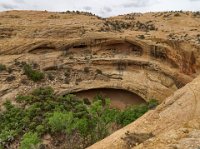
x=136 y=3
x=19 y=1
x=14 y=4
x=7 y=6
x=107 y=9
x=87 y=8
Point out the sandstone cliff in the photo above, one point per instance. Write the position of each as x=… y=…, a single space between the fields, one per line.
x=153 y=55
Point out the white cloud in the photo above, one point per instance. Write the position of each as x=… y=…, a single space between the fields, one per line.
x=137 y=3
x=101 y=7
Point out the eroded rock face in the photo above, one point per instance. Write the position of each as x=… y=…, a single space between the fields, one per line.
x=173 y=124
x=147 y=70
x=139 y=53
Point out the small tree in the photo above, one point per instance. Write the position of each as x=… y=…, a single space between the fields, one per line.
x=101 y=116
x=82 y=126
x=59 y=122
x=29 y=140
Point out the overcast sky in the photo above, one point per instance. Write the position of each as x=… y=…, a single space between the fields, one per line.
x=102 y=8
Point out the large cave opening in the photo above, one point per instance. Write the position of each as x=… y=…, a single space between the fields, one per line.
x=119 y=98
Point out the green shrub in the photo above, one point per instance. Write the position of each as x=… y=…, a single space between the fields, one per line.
x=2 y=67
x=59 y=122
x=134 y=139
x=39 y=94
x=44 y=112
x=80 y=110
x=177 y=14
x=10 y=70
x=34 y=75
x=7 y=136
x=8 y=105
x=141 y=36
x=98 y=71
x=25 y=99
x=131 y=114
x=82 y=126
x=152 y=103
x=43 y=93
x=51 y=77
x=40 y=129
x=10 y=78
x=101 y=117
x=53 y=17
x=29 y=140
x=11 y=124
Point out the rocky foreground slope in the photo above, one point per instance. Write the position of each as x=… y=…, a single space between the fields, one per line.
x=152 y=55
x=175 y=124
